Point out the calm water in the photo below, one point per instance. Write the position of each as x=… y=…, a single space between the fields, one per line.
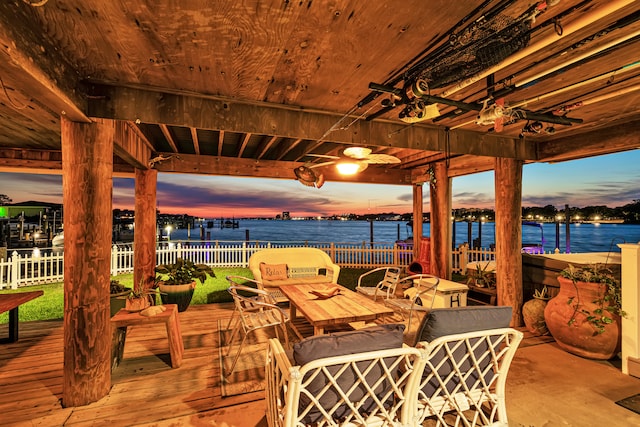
x=583 y=237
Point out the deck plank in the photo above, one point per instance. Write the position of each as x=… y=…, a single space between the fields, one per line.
x=145 y=389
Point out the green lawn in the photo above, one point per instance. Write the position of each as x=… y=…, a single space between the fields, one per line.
x=50 y=305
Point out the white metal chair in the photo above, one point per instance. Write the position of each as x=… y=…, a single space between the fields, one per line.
x=384 y=287
x=469 y=352
x=367 y=388
x=419 y=295
x=254 y=309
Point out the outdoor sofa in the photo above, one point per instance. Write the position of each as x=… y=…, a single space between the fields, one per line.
x=275 y=267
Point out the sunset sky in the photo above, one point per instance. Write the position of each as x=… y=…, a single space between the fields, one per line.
x=612 y=180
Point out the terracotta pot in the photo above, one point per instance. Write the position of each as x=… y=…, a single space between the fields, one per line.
x=581 y=337
x=137 y=304
x=177 y=294
x=533 y=314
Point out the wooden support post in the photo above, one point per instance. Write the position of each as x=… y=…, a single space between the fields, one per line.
x=508 y=190
x=417 y=219
x=144 y=238
x=87 y=166
x=440 y=223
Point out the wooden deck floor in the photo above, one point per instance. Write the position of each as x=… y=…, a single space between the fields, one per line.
x=145 y=389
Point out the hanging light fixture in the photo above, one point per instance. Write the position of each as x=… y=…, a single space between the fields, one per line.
x=350 y=168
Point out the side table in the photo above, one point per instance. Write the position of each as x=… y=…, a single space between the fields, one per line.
x=123 y=319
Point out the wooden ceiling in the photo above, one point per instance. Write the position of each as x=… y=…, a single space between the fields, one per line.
x=251 y=88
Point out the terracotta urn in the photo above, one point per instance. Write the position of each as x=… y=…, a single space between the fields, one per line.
x=570 y=327
x=137 y=304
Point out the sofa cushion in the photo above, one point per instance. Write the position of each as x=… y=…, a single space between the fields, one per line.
x=448 y=321
x=380 y=337
x=273 y=271
x=303 y=272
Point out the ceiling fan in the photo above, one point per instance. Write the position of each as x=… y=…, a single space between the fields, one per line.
x=354 y=160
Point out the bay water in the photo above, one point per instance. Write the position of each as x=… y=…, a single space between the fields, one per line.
x=583 y=237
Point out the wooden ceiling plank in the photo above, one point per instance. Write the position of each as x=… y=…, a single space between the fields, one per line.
x=194 y=139
x=46 y=74
x=169 y=138
x=285 y=147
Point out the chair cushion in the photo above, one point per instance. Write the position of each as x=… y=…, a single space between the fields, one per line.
x=449 y=321
x=273 y=271
x=379 y=337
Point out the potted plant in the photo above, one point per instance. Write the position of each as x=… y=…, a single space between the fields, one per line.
x=482 y=278
x=585 y=317
x=177 y=281
x=533 y=312
x=132 y=299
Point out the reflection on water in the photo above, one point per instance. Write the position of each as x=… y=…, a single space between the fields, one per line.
x=583 y=237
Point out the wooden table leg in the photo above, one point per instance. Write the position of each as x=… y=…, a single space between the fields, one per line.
x=176 y=345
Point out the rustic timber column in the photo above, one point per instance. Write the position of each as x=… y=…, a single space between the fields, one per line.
x=144 y=238
x=508 y=188
x=441 y=222
x=87 y=166
x=417 y=219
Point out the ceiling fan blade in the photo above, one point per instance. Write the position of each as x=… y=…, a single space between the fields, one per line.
x=323 y=156
x=381 y=159
x=319 y=165
x=359 y=153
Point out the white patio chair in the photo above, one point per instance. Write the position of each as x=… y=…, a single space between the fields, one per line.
x=419 y=295
x=384 y=287
x=469 y=352
x=254 y=309
x=354 y=387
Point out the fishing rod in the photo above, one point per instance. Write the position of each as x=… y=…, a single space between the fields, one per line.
x=445 y=49
x=400 y=75
x=565 y=66
x=576 y=85
x=587 y=19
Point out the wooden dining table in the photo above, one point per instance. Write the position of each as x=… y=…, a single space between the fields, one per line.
x=347 y=307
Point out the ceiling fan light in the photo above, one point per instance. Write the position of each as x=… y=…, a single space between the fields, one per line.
x=348 y=168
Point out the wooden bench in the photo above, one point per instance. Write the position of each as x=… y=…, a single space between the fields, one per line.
x=10 y=303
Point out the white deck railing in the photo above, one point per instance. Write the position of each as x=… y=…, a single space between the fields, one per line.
x=36 y=267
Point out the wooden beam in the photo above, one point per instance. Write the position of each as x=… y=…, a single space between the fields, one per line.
x=220 y=142
x=215 y=165
x=508 y=190
x=144 y=238
x=440 y=222
x=265 y=146
x=169 y=138
x=87 y=186
x=36 y=66
x=196 y=142
x=131 y=145
x=243 y=145
x=208 y=112
x=612 y=139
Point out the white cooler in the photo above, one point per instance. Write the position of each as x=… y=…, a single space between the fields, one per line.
x=450 y=294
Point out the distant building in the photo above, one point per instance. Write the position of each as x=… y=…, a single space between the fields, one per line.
x=286 y=215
